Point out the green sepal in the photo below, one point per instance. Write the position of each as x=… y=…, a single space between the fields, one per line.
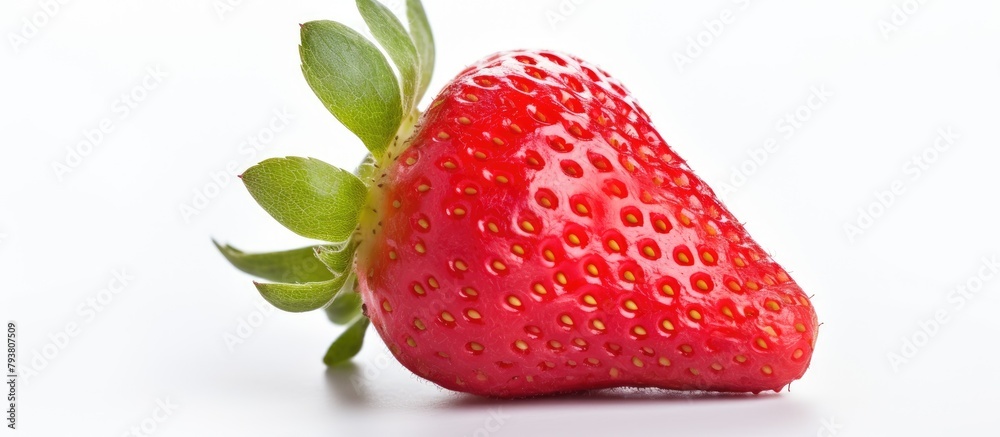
x=353 y=80
x=423 y=39
x=308 y=196
x=299 y=298
x=347 y=304
x=392 y=36
x=348 y=344
x=289 y=266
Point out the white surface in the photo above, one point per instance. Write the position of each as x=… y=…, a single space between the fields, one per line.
x=162 y=337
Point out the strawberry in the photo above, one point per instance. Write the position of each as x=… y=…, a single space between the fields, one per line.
x=531 y=233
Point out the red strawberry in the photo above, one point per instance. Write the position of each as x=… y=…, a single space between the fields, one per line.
x=535 y=234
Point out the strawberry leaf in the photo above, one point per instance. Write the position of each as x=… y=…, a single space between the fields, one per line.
x=420 y=30
x=348 y=344
x=297 y=265
x=308 y=196
x=298 y=298
x=346 y=305
x=392 y=36
x=353 y=80
x=337 y=259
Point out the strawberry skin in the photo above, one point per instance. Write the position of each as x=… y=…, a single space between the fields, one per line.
x=536 y=235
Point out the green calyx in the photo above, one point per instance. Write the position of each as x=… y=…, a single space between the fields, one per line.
x=378 y=103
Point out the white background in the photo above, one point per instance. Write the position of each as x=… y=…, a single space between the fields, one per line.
x=161 y=339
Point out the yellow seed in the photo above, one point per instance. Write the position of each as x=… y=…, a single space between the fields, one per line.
x=701 y=284
x=497 y=141
x=683 y=258
x=470 y=191
x=582 y=209
x=472 y=97
x=423 y=223
x=761 y=343
x=734 y=286
x=420 y=248
x=716 y=366
x=614 y=372
x=766 y=369
x=637 y=362
x=741 y=358
x=446 y=316
x=566 y=320
x=629 y=276
x=772 y=305
x=476 y=346
x=549 y=256
x=639 y=330
x=461 y=265
x=479 y=155
x=752 y=285
x=386 y=306
x=411 y=342
x=469 y=291
x=396 y=204
x=660 y=225
x=649 y=251
x=514 y=301
x=580 y=342
x=800 y=327
x=555 y=344
x=797 y=354
x=592 y=269
x=544 y=201
x=708 y=257
x=433 y=282
x=411 y=160
x=459 y=211
x=419 y=324
x=392 y=254
x=686 y=348
x=464 y=120
x=449 y=165
x=539 y=289
x=739 y=262
x=770 y=331
x=521 y=344
x=685 y=220
x=667 y=290
x=589 y=300
x=526 y=226
x=561 y=278
x=664 y=361
x=631 y=218
x=669 y=326
x=614 y=245
x=727 y=312
x=497 y=265
x=630 y=305
x=419 y=289
x=443 y=135
x=695 y=314
x=502 y=179
x=573 y=239
x=598 y=325
x=473 y=314
x=694 y=371
x=517 y=249
x=493 y=227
